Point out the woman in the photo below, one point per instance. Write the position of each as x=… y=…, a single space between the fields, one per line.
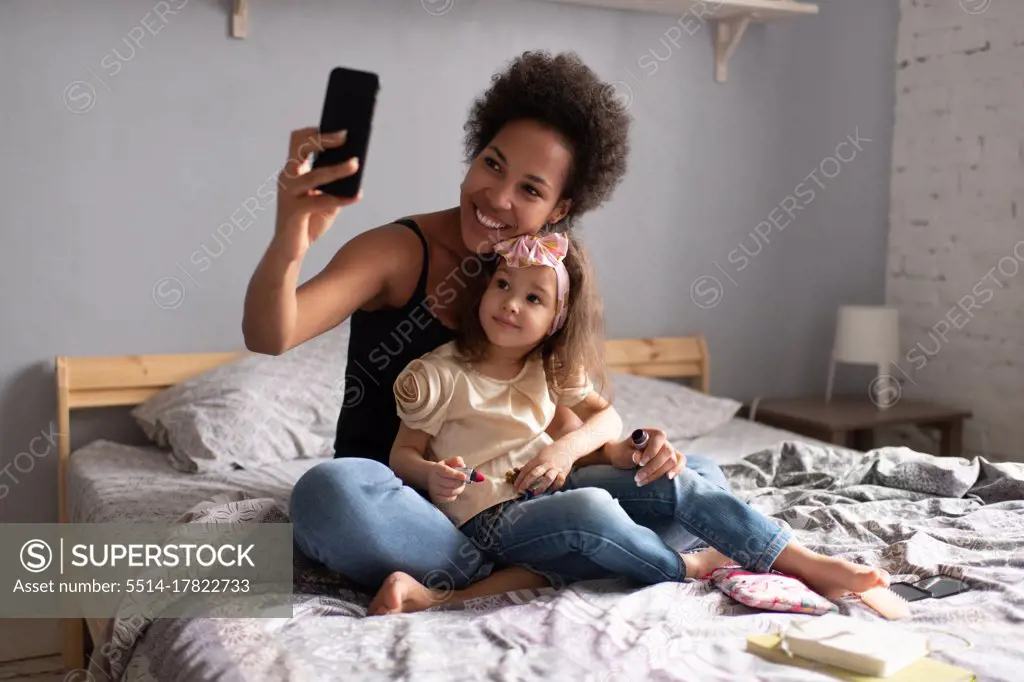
x=545 y=145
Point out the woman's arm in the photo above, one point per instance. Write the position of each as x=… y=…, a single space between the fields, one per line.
x=277 y=315
x=598 y=457
x=660 y=458
x=599 y=424
x=565 y=422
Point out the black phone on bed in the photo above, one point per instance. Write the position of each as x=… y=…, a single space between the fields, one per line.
x=940 y=586
x=932 y=587
x=908 y=591
x=348 y=105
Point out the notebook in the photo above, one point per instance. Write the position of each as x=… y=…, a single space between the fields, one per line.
x=770 y=647
x=868 y=647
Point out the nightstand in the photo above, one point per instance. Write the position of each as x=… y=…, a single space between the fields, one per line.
x=850 y=421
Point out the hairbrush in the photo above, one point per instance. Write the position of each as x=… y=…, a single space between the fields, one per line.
x=886 y=602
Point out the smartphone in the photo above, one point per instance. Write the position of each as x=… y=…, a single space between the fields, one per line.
x=348 y=105
x=940 y=586
x=934 y=587
x=909 y=592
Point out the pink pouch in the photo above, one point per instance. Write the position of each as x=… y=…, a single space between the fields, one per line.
x=770 y=591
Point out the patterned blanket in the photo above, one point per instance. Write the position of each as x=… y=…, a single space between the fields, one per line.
x=910 y=513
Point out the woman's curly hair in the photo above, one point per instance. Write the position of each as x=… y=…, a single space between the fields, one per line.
x=564 y=94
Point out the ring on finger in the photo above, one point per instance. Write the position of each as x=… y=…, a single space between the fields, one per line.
x=543 y=481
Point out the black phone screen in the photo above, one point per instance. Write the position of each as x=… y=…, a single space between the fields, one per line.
x=909 y=591
x=348 y=105
x=942 y=586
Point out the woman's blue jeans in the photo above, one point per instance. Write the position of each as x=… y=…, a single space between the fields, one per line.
x=357 y=518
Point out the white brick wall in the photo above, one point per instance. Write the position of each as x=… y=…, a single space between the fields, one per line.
x=957 y=209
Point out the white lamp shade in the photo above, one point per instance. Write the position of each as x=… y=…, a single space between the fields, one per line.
x=867 y=335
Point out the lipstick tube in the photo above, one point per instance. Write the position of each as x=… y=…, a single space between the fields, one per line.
x=474 y=475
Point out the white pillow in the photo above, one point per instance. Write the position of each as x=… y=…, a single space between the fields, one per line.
x=258 y=410
x=679 y=410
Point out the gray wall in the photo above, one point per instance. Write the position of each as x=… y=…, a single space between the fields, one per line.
x=99 y=204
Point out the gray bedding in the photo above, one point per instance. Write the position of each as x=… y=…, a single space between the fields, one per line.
x=910 y=513
x=112 y=482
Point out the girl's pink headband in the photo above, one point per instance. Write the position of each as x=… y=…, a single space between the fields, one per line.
x=549 y=250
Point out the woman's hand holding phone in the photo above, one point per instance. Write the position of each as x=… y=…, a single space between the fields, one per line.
x=304 y=213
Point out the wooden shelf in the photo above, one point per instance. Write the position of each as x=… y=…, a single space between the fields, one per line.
x=240 y=19
x=731 y=17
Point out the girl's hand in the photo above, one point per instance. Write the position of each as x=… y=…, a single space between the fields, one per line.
x=445 y=484
x=658 y=459
x=546 y=472
x=304 y=213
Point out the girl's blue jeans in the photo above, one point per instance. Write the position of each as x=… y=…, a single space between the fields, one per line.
x=357 y=518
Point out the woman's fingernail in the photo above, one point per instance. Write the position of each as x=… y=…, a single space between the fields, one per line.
x=640 y=478
x=636 y=458
x=671 y=475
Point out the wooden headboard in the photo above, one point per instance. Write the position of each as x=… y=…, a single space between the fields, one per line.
x=671 y=357
x=126 y=380
x=108 y=381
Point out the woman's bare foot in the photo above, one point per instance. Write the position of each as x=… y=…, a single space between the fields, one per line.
x=830 y=577
x=401 y=593
x=699 y=564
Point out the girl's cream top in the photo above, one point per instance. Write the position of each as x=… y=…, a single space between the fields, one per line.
x=493 y=424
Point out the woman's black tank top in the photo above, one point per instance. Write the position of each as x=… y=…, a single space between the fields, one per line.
x=381 y=344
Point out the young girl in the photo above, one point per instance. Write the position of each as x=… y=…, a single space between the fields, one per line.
x=533 y=341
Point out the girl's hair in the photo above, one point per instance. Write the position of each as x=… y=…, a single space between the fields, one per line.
x=564 y=94
x=575 y=353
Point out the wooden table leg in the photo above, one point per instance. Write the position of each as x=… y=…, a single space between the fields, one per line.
x=951 y=443
x=841 y=438
x=74 y=643
x=863 y=439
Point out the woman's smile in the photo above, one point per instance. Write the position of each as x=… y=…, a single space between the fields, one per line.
x=486 y=226
x=489 y=222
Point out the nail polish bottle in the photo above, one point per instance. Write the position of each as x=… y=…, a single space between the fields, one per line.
x=639 y=438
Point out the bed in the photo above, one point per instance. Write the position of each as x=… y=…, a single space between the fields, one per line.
x=910 y=513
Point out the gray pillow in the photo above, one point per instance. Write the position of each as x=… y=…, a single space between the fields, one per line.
x=258 y=410
x=679 y=410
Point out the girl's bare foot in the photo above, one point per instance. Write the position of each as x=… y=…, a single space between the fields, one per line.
x=830 y=577
x=699 y=564
x=401 y=593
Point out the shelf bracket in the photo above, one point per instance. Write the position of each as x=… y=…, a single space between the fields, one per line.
x=728 y=33
x=240 y=19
